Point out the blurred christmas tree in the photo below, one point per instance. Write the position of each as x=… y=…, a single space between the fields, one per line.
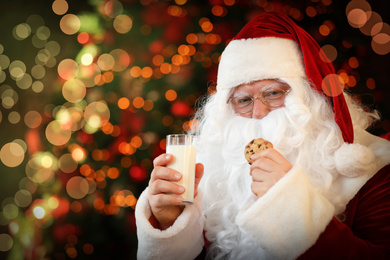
x=89 y=91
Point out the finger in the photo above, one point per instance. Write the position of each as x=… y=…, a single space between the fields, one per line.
x=258 y=175
x=275 y=156
x=164 y=173
x=264 y=164
x=272 y=154
x=162 y=159
x=199 y=170
x=258 y=188
x=163 y=186
x=162 y=200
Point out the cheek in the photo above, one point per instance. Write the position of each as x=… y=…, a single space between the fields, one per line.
x=246 y=115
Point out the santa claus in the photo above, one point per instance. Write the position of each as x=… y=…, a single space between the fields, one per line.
x=322 y=192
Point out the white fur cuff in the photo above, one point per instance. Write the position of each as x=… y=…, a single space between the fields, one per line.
x=183 y=240
x=289 y=218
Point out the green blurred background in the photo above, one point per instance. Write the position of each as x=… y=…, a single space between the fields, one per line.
x=89 y=89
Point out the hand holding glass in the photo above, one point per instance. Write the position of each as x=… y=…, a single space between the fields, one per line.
x=183 y=149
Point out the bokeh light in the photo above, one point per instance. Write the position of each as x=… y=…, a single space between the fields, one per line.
x=332 y=86
x=6 y=242
x=74 y=90
x=12 y=154
x=77 y=187
x=60 y=7
x=122 y=23
x=70 y=24
x=68 y=69
x=56 y=134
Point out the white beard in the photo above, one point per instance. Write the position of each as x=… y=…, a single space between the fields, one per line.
x=227 y=180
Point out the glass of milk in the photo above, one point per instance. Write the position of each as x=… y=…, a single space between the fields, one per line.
x=183 y=149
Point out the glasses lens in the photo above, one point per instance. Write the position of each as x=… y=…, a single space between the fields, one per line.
x=242 y=104
x=275 y=97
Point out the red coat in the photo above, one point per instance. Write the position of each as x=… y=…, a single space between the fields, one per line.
x=365 y=232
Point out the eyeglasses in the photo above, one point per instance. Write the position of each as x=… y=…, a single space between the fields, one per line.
x=271 y=98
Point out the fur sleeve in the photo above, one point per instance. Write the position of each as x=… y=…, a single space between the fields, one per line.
x=183 y=240
x=289 y=218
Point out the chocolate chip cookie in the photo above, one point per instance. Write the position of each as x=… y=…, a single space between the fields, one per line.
x=256 y=146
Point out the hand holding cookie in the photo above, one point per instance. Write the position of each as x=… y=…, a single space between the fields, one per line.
x=267 y=167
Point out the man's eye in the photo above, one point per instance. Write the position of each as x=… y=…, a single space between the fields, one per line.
x=243 y=101
x=273 y=94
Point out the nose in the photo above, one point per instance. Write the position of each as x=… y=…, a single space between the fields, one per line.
x=259 y=109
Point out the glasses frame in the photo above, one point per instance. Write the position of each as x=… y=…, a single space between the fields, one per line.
x=285 y=92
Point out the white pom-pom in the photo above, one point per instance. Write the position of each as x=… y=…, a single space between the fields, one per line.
x=354 y=160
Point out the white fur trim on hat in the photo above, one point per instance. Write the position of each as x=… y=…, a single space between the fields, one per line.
x=354 y=160
x=248 y=60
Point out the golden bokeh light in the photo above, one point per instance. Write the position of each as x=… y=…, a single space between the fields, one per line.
x=70 y=24
x=78 y=154
x=88 y=73
x=60 y=7
x=77 y=187
x=21 y=31
x=17 y=69
x=113 y=8
x=381 y=43
x=9 y=96
x=96 y=114
x=122 y=24
x=23 y=198
x=14 y=117
x=42 y=34
x=37 y=86
x=121 y=58
x=12 y=154
x=38 y=71
x=24 y=81
x=33 y=119
x=66 y=163
x=105 y=62
x=357 y=18
x=74 y=90
x=55 y=133
x=41 y=167
x=68 y=69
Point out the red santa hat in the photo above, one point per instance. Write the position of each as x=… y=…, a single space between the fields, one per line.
x=272 y=46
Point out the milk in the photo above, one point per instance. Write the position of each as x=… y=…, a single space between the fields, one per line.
x=184 y=159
